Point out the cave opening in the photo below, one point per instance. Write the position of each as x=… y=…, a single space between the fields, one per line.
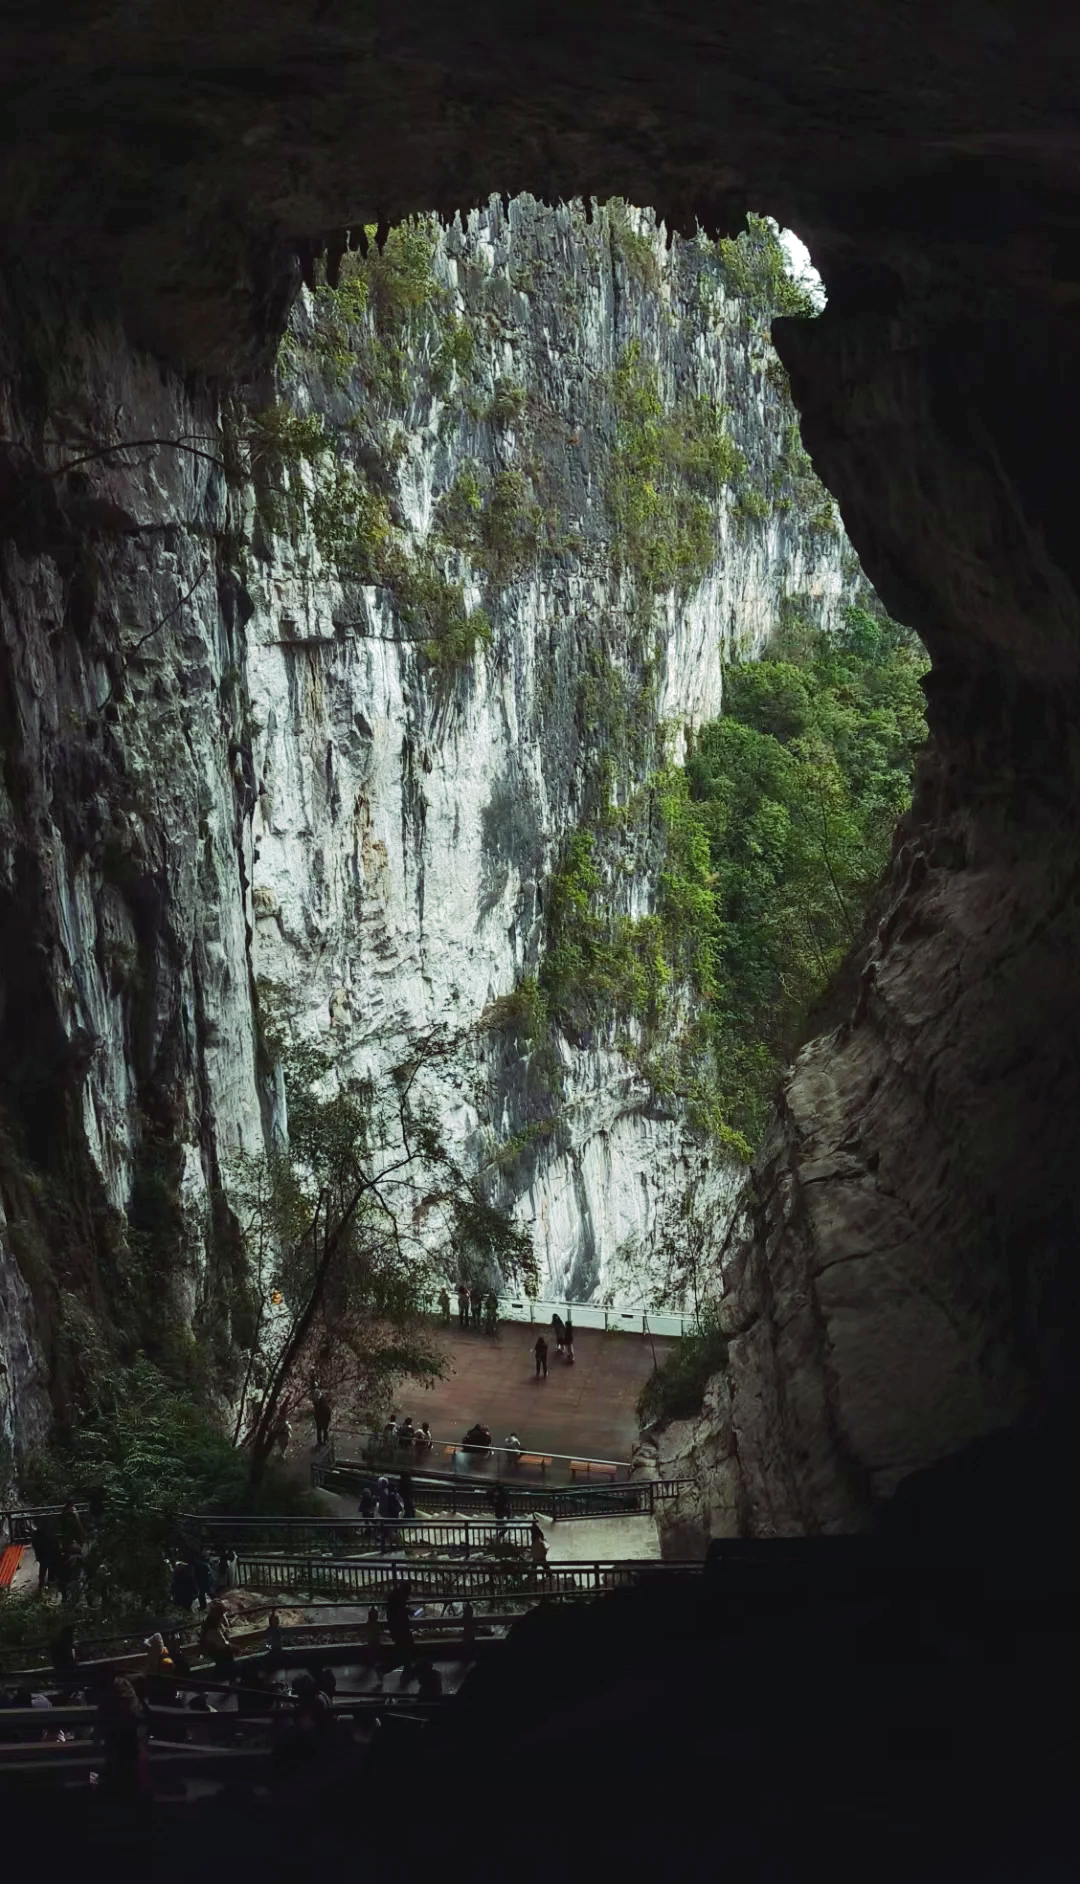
x=900 y=1313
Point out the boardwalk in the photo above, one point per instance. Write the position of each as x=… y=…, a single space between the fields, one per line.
x=586 y=1409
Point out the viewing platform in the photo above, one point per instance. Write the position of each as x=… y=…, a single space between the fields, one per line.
x=584 y=1411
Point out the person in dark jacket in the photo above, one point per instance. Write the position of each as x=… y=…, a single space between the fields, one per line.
x=62 y=1651
x=49 y=1556
x=568 y=1341
x=184 y=1592
x=406 y=1490
x=541 y=1353
x=323 y=1416
x=204 y=1577
x=557 y=1325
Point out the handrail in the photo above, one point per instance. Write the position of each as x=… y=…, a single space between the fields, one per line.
x=524 y=1308
x=404 y=1455
x=559 y=1501
x=19 y=1520
x=463 y=1534
x=446 y=1581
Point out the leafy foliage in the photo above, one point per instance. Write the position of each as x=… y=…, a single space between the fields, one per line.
x=797 y=789
x=141 y=1451
x=345 y=1228
x=668 y=469
x=755 y=268
x=772 y=838
x=675 y=1390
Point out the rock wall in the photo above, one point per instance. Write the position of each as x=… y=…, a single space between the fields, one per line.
x=903 y=1281
x=237 y=793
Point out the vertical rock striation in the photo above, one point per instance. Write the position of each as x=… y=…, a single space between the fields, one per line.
x=241 y=794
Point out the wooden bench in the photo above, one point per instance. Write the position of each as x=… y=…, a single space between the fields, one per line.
x=592 y=1465
x=542 y=1459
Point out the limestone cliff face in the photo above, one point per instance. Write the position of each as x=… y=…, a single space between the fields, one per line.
x=236 y=792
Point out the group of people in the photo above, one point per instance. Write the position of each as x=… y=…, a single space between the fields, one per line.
x=196 y=1578
x=478 y=1439
x=476 y=1308
x=564 y=1344
x=61 y=1550
x=402 y=1432
x=394 y=1504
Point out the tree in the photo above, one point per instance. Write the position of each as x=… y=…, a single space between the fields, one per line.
x=345 y=1225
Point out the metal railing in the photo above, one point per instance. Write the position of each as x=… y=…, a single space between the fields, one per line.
x=366 y=1579
x=639 y=1321
x=18 y=1521
x=448 y=1493
x=453 y=1458
x=328 y=1536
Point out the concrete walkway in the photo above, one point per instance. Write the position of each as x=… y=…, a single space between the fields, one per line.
x=586 y=1540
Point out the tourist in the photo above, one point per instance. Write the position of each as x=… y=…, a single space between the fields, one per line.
x=323 y=1414
x=405 y=1488
x=512 y=1445
x=69 y=1570
x=405 y=1432
x=541 y=1353
x=428 y=1681
x=227 y=1567
x=48 y=1553
x=444 y=1306
x=179 y=1660
x=468 y=1625
x=373 y=1628
x=463 y=1306
x=215 y=1640
x=273 y=1634
x=382 y=1497
x=422 y=1439
x=477 y=1439
x=204 y=1576
x=326 y=1682
x=389 y=1431
x=367 y=1506
x=491 y=1314
x=122 y=1725
x=558 y=1325
x=399 y=1622
x=314 y=1714
x=537 y=1543
x=62 y=1651
x=71 y=1529
x=184 y=1591
x=282 y=1436
x=503 y=1509
x=568 y=1341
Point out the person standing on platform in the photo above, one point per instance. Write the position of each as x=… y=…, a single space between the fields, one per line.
x=541 y=1353
x=463 y=1306
x=568 y=1341
x=444 y=1306
x=557 y=1325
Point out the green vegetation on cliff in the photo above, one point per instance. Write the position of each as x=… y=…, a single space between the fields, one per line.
x=768 y=845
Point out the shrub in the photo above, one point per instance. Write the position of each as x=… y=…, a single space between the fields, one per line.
x=507 y=403
x=755 y=268
x=676 y=1390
